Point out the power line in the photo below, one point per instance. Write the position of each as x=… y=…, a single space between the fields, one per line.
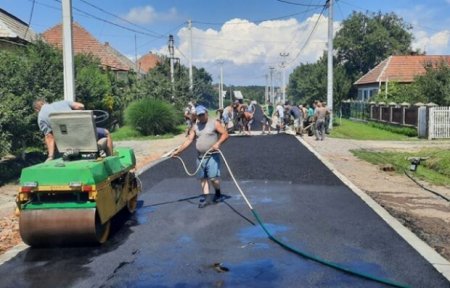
x=257 y=21
x=112 y=23
x=120 y=18
x=29 y=20
x=309 y=36
x=301 y=4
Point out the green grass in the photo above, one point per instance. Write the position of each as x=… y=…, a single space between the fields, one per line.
x=361 y=131
x=435 y=169
x=128 y=133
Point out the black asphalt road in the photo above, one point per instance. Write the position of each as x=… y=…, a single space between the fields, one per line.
x=172 y=243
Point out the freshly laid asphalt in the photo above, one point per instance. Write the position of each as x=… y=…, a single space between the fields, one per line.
x=170 y=242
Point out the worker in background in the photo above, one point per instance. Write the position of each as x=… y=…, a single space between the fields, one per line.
x=44 y=109
x=209 y=135
x=189 y=116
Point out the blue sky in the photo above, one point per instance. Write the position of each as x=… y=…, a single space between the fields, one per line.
x=247 y=36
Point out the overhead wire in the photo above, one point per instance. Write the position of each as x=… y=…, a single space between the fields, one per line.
x=112 y=23
x=256 y=21
x=121 y=18
x=300 y=4
x=29 y=20
x=307 y=39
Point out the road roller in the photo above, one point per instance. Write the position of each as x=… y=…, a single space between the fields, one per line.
x=72 y=199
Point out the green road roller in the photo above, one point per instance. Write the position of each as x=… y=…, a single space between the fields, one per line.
x=72 y=199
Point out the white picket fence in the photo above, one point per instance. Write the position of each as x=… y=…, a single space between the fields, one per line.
x=439 y=123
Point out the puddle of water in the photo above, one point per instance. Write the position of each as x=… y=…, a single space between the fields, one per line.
x=255 y=232
x=261 y=271
x=184 y=240
x=143 y=214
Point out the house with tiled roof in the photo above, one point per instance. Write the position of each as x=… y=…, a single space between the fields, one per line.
x=148 y=62
x=399 y=69
x=14 y=32
x=84 y=42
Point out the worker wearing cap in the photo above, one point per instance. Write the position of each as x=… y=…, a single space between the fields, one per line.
x=209 y=135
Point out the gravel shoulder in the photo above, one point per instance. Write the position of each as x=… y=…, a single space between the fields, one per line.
x=425 y=214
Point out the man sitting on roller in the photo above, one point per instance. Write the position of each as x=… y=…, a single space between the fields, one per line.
x=44 y=109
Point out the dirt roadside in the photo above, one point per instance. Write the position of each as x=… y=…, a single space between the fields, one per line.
x=427 y=215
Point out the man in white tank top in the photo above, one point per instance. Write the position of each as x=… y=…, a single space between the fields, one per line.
x=209 y=135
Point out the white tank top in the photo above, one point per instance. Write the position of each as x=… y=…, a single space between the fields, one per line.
x=206 y=135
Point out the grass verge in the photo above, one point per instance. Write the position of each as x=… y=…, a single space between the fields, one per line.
x=435 y=169
x=128 y=133
x=348 y=129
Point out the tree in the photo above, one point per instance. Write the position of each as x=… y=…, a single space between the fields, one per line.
x=157 y=85
x=434 y=86
x=309 y=83
x=366 y=39
x=37 y=72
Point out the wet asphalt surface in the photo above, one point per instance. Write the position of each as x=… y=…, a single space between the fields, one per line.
x=170 y=242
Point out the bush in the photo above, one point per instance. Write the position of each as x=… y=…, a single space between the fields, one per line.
x=151 y=117
x=407 y=131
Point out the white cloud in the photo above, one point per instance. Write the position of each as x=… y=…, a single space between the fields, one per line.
x=436 y=43
x=148 y=14
x=252 y=48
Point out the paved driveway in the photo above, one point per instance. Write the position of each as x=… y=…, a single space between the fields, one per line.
x=172 y=243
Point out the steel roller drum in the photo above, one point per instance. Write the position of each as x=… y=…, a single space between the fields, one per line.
x=45 y=227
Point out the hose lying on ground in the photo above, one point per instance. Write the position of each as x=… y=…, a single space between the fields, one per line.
x=279 y=242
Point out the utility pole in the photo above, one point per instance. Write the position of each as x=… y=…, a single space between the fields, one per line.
x=272 y=95
x=330 y=62
x=191 y=81
x=135 y=55
x=172 y=54
x=266 y=90
x=221 y=85
x=283 y=66
x=69 y=82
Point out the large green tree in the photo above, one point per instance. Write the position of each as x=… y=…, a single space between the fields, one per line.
x=309 y=82
x=434 y=86
x=157 y=84
x=364 y=40
x=36 y=71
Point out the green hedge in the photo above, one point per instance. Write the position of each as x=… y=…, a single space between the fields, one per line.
x=152 y=117
x=407 y=131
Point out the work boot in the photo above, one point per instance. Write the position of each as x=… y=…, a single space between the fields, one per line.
x=205 y=200
x=218 y=197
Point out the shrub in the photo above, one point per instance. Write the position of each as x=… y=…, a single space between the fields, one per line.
x=151 y=116
x=407 y=131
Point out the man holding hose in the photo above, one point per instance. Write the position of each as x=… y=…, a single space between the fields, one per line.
x=209 y=135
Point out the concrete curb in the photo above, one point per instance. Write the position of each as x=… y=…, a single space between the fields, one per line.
x=434 y=258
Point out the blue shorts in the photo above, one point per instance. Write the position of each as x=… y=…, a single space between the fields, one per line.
x=210 y=168
x=101 y=133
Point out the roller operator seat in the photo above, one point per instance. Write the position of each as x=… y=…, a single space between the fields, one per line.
x=75 y=132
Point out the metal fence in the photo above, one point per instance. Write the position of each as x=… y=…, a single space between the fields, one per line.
x=439 y=123
x=430 y=121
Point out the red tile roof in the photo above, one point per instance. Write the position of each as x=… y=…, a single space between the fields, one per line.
x=148 y=62
x=84 y=42
x=401 y=68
